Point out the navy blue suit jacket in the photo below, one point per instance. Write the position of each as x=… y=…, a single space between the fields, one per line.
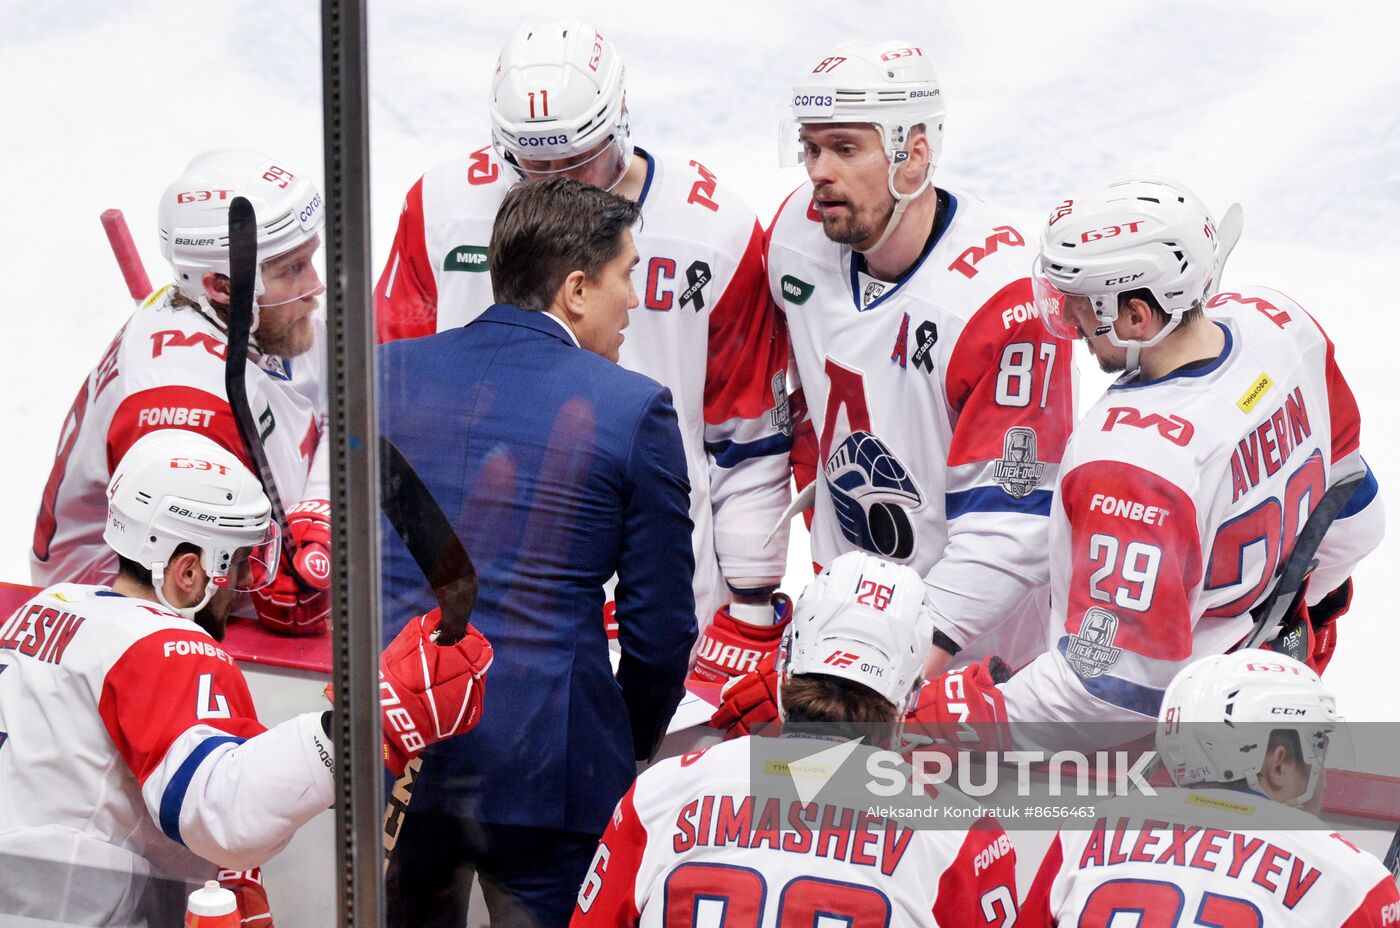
x=558 y=468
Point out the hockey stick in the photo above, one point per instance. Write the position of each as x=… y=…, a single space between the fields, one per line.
x=1294 y=572
x=128 y=260
x=242 y=266
x=433 y=543
x=1227 y=233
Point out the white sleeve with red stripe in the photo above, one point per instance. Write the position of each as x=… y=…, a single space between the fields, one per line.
x=1360 y=525
x=1152 y=620
x=179 y=712
x=1380 y=908
x=1010 y=394
x=747 y=433
x=608 y=895
x=1038 y=910
x=979 y=887
x=405 y=299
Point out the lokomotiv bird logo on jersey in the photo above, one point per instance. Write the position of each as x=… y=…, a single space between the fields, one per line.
x=873 y=494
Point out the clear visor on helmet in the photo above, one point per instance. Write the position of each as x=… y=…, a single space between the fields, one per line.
x=602 y=165
x=249 y=567
x=791 y=151
x=1071 y=315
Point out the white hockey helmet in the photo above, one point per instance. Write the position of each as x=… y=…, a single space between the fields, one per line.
x=559 y=96
x=194 y=213
x=1131 y=233
x=862 y=619
x=175 y=486
x=1219 y=712
x=892 y=86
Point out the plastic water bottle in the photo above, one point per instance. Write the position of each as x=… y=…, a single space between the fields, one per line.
x=212 y=907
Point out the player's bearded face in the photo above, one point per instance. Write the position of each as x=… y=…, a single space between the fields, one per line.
x=1112 y=359
x=290 y=290
x=850 y=181
x=213 y=618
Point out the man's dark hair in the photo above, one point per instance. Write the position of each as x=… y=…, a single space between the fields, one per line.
x=1188 y=318
x=142 y=575
x=546 y=230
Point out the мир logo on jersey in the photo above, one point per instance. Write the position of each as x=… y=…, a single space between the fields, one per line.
x=1018 y=472
x=873 y=495
x=1090 y=651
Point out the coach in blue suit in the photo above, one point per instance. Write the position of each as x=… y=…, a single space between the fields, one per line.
x=559 y=469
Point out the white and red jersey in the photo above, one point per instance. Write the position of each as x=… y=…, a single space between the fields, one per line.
x=1200 y=857
x=165 y=369
x=691 y=838
x=1179 y=498
x=705 y=329
x=130 y=748
x=939 y=407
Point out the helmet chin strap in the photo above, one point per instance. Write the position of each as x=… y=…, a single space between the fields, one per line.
x=158 y=582
x=901 y=201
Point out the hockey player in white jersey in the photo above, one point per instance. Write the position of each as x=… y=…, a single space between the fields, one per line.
x=1246 y=736
x=938 y=407
x=165 y=370
x=1185 y=485
x=706 y=329
x=130 y=750
x=695 y=836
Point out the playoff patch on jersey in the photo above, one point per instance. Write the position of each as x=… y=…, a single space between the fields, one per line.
x=1090 y=650
x=873 y=494
x=1019 y=471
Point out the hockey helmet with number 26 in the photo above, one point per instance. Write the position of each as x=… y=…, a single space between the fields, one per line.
x=862 y=619
x=178 y=487
x=559 y=96
x=194 y=214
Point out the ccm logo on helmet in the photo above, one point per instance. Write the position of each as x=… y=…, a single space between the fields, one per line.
x=535 y=141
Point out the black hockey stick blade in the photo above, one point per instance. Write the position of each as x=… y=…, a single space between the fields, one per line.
x=430 y=539
x=1392 y=857
x=243 y=267
x=1295 y=570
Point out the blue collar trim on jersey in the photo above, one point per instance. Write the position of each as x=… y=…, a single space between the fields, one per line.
x=651 y=172
x=929 y=246
x=1182 y=373
x=109 y=593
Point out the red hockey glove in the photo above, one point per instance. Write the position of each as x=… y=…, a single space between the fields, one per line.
x=964 y=708
x=749 y=701
x=309 y=524
x=247 y=887
x=1323 y=617
x=731 y=647
x=429 y=692
x=287 y=607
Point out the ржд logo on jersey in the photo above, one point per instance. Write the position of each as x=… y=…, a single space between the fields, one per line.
x=1019 y=471
x=873 y=495
x=1090 y=651
x=470 y=258
x=1174 y=429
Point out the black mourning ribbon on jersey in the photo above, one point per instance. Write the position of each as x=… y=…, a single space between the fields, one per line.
x=697 y=275
x=430 y=539
x=925 y=337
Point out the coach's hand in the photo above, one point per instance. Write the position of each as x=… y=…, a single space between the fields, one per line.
x=429 y=692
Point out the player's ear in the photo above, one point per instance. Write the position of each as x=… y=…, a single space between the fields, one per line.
x=217 y=287
x=185 y=573
x=1138 y=315
x=1274 y=771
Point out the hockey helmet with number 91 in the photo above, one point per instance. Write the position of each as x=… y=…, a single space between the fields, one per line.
x=1218 y=714
x=1142 y=232
x=862 y=619
x=178 y=487
x=194 y=215
x=558 y=103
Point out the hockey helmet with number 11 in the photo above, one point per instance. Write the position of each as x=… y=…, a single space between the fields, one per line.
x=862 y=619
x=178 y=487
x=559 y=103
